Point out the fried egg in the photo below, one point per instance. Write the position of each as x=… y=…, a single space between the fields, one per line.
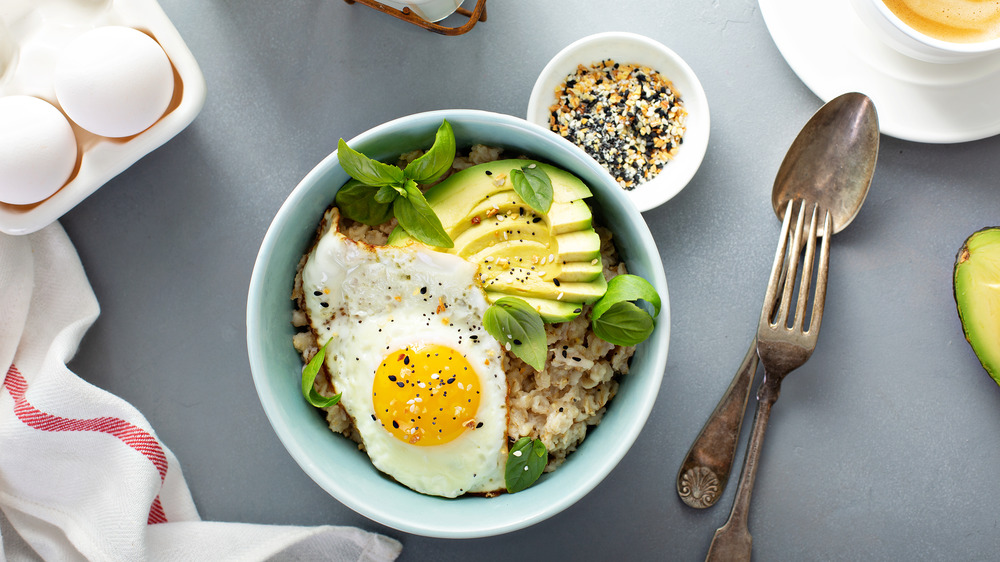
x=419 y=375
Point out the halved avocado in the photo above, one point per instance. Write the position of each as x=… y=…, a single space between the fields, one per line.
x=977 y=295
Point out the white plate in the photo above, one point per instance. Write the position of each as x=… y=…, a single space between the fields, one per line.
x=633 y=48
x=31 y=34
x=833 y=52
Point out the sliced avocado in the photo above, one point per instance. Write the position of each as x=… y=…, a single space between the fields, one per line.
x=550 y=310
x=494 y=231
x=580 y=271
x=553 y=258
x=514 y=253
x=521 y=282
x=569 y=217
x=977 y=295
x=562 y=216
x=451 y=197
x=582 y=245
x=398 y=237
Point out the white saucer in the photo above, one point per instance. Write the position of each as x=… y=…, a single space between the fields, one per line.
x=833 y=51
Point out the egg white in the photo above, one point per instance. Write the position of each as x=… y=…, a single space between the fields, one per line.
x=371 y=300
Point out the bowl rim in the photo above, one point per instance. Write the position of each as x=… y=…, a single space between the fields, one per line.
x=518 y=518
x=667 y=184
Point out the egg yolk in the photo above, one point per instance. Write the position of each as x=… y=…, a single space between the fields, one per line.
x=426 y=394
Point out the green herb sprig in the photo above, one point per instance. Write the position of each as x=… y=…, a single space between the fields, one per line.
x=533 y=186
x=617 y=318
x=525 y=463
x=309 y=377
x=515 y=323
x=381 y=191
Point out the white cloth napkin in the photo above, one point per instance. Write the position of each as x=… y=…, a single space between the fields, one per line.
x=82 y=474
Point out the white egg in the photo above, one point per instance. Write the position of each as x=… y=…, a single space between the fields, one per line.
x=419 y=375
x=37 y=150
x=114 y=81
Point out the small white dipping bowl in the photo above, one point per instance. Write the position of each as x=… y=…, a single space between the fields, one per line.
x=631 y=48
x=335 y=462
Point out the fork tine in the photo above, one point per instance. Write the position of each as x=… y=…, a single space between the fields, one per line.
x=778 y=269
x=781 y=318
x=821 y=276
x=807 y=269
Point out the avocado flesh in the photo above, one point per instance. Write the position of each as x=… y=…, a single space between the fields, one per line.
x=451 y=198
x=551 y=310
x=521 y=282
x=579 y=271
x=520 y=251
x=977 y=296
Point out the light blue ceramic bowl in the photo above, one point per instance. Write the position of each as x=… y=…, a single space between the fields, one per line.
x=335 y=462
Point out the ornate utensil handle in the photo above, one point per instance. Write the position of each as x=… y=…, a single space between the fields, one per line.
x=705 y=470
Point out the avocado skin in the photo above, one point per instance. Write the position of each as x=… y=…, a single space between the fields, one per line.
x=462 y=201
x=976 y=273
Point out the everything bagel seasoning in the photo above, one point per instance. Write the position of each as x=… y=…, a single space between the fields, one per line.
x=630 y=118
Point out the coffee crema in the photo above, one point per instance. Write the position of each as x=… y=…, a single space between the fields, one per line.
x=956 y=21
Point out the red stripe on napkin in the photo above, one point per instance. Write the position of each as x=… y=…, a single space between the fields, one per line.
x=133 y=436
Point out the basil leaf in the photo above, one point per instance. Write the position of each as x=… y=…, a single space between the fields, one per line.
x=515 y=323
x=366 y=170
x=418 y=219
x=617 y=319
x=525 y=463
x=623 y=324
x=309 y=377
x=533 y=186
x=360 y=202
x=386 y=194
x=627 y=288
x=437 y=160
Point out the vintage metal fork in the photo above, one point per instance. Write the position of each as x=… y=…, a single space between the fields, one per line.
x=782 y=348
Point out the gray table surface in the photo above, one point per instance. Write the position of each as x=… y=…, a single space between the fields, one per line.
x=884 y=446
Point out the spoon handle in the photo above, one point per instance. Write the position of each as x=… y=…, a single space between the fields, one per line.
x=705 y=470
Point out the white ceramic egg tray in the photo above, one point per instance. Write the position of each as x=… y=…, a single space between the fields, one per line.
x=32 y=33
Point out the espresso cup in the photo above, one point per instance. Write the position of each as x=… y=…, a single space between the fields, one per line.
x=938 y=31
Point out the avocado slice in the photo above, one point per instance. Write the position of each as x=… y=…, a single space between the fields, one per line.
x=977 y=296
x=579 y=271
x=581 y=245
x=552 y=258
x=451 y=198
x=550 y=310
x=519 y=282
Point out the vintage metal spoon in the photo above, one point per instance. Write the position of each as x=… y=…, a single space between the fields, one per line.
x=830 y=162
